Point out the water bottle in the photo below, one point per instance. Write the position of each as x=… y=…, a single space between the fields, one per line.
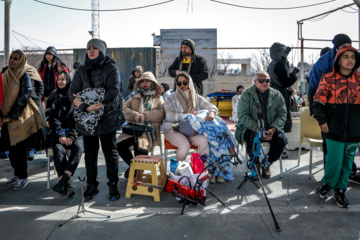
x=173 y=165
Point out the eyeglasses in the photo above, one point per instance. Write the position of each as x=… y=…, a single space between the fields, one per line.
x=183 y=83
x=263 y=80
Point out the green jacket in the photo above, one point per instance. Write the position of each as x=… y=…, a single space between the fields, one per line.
x=276 y=112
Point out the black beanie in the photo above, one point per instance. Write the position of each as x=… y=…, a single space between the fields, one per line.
x=188 y=43
x=341 y=39
x=324 y=50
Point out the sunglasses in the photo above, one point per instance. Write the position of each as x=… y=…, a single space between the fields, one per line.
x=183 y=83
x=263 y=80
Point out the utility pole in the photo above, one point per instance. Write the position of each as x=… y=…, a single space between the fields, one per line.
x=95 y=19
x=7 y=14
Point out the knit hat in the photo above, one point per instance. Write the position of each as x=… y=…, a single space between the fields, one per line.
x=238 y=87
x=341 y=39
x=188 y=43
x=98 y=43
x=186 y=129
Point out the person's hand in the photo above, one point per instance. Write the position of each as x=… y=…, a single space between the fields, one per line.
x=268 y=134
x=4 y=120
x=62 y=140
x=324 y=127
x=77 y=101
x=69 y=142
x=47 y=124
x=210 y=116
x=94 y=107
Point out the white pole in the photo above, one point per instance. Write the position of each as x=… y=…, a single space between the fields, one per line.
x=7 y=30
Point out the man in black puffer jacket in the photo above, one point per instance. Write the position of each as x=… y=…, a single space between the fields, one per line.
x=188 y=61
x=99 y=71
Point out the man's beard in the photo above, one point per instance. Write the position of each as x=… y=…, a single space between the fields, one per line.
x=186 y=54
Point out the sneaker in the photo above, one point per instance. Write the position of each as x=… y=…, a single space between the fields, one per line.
x=220 y=179
x=113 y=191
x=266 y=174
x=212 y=179
x=21 y=183
x=4 y=155
x=90 y=192
x=323 y=191
x=12 y=181
x=354 y=178
x=284 y=155
x=340 y=198
x=31 y=155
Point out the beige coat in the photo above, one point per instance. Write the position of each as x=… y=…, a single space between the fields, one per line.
x=155 y=116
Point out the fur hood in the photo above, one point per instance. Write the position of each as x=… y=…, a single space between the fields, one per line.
x=151 y=77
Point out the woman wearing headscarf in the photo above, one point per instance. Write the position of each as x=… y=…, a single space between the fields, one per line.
x=146 y=108
x=179 y=104
x=165 y=90
x=49 y=67
x=19 y=116
x=98 y=72
x=64 y=136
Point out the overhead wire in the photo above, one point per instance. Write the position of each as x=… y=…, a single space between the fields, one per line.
x=21 y=44
x=259 y=8
x=348 y=11
x=40 y=40
x=104 y=10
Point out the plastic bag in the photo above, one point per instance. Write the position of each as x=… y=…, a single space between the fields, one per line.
x=197 y=164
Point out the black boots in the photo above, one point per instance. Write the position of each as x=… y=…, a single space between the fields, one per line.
x=91 y=191
x=63 y=187
x=113 y=191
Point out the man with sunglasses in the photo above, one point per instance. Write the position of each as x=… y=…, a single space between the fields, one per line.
x=188 y=61
x=273 y=111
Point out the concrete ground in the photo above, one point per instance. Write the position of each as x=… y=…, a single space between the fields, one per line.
x=36 y=213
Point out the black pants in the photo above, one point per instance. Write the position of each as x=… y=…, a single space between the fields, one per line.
x=18 y=158
x=91 y=146
x=278 y=143
x=124 y=151
x=61 y=164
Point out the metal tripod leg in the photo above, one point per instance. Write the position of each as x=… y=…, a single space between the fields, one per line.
x=81 y=208
x=216 y=197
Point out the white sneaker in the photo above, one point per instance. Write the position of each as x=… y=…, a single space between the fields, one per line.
x=21 y=183
x=12 y=181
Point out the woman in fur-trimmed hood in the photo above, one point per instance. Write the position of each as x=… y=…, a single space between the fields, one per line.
x=145 y=107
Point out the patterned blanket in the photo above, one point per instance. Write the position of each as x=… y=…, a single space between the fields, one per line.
x=213 y=131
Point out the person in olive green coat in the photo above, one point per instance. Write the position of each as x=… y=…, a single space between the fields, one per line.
x=273 y=107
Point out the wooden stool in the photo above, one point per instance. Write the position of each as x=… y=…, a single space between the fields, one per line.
x=141 y=163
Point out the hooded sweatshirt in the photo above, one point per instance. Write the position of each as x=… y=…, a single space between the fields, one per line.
x=197 y=68
x=337 y=101
x=281 y=77
x=132 y=78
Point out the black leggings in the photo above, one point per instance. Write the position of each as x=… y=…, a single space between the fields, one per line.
x=124 y=151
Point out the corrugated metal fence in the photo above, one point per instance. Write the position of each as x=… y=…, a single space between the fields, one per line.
x=127 y=59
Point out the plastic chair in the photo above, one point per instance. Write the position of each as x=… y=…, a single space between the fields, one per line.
x=310 y=133
x=169 y=146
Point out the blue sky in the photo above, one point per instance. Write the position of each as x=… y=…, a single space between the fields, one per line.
x=237 y=27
